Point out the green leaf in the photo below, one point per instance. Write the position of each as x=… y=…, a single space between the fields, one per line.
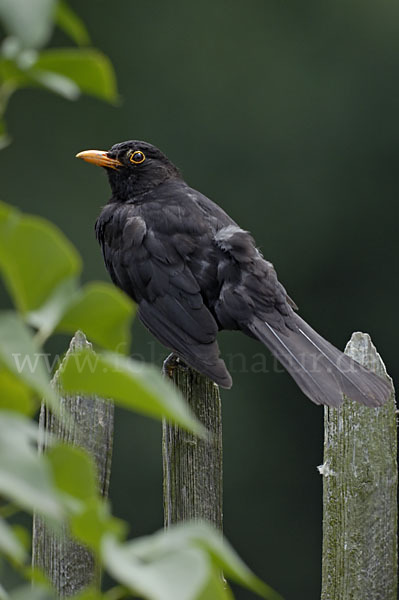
x=36 y=592
x=11 y=73
x=130 y=383
x=94 y=523
x=10 y=545
x=104 y=313
x=67 y=72
x=71 y=24
x=21 y=356
x=74 y=474
x=3 y=594
x=181 y=573
x=34 y=257
x=15 y=395
x=25 y=476
x=99 y=309
x=6 y=211
x=59 y=84
x=91 y=594
x=47 y=317
x=183 y=562
x=20 y=71
x=216 y=588
x=73 y=471
x=31 y=22
x=91 y=70
x=201 y=535
x=24 y=537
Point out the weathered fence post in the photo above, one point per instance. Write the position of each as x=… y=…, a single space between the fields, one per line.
x=69 y=565
x=360 y=560
x=192 y=467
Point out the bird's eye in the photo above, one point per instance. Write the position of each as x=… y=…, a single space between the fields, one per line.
x=137 y=157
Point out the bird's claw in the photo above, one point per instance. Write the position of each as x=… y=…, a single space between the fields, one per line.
x=169 y=365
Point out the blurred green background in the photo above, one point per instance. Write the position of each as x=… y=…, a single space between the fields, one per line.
x=286 y=114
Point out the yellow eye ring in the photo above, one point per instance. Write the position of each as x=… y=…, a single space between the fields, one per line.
x=137 y=157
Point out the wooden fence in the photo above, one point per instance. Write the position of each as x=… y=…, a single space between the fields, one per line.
x=359 y=554
x=70 y=566
x=360 y=479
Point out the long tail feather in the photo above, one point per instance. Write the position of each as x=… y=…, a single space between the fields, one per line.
x=323 y=372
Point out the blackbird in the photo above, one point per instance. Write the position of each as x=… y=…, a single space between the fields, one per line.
x=193 y=272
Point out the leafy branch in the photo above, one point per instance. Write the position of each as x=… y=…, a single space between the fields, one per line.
x=68 y=72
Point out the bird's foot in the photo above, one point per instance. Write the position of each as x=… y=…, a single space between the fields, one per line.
x=169 y=364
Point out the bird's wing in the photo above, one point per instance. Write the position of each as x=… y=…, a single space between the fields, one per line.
x=248 y=284
x=252 y=298
x=152 y=268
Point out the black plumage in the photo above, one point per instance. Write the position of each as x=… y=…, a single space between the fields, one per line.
x=193 y=271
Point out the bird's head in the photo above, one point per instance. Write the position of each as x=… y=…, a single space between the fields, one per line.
x=133 y=167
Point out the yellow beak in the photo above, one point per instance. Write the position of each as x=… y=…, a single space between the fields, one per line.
x=99 y=158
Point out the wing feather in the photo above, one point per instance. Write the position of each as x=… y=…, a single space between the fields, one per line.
x=151 y=267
